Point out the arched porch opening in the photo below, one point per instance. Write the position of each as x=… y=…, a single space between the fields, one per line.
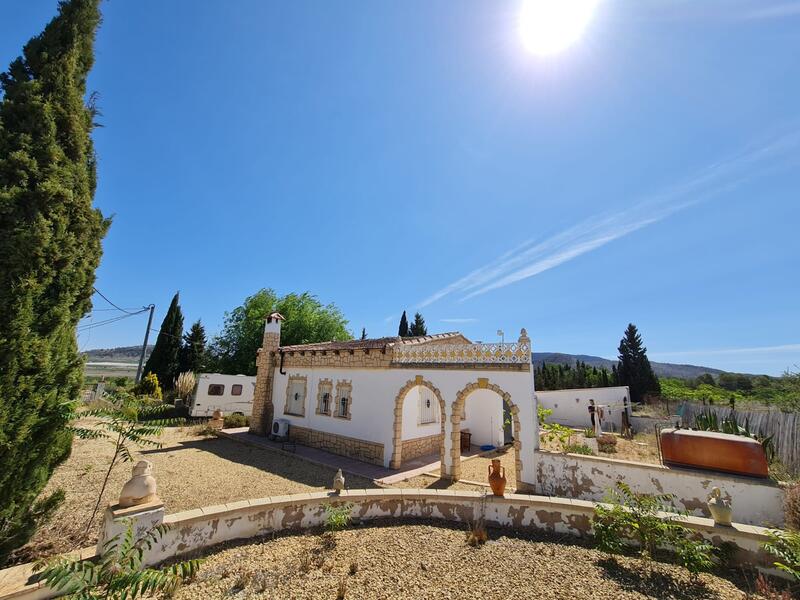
x=508 y=407
x=399 y=403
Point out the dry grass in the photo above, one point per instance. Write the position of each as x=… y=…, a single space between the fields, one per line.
x=192 y=471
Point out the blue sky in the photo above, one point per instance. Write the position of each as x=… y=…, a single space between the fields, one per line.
x=413 y=155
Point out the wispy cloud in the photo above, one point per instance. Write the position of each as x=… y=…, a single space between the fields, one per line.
x=459 y=320
x=774 y=11
x=724 y=351
x=533 y=257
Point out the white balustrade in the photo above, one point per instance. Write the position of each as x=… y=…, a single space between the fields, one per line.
x=510 y=353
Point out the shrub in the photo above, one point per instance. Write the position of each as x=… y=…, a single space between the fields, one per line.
x=236 y=421
x=791 y=507
x=579 y=449
x=553 y=431
x=120 y=574
x=607 y=443
x=785 y=545
x=477 y=534
x=149 y=387
x=588 y=433
x=337 y=517
x=184 y=385
x=636 y=517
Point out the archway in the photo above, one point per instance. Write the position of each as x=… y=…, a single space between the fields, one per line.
x=397 y=437
x=455 y=419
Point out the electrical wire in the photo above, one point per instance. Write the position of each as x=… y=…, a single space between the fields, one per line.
x=92 y=325
x=112 y=304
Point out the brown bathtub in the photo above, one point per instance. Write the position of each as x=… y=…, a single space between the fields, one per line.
x=714 y=451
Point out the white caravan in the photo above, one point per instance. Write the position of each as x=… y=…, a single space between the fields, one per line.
x=231 y=394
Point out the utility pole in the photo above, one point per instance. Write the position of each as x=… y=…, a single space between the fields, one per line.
x=144 y=345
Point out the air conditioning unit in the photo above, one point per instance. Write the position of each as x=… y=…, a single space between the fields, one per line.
x=280 y=428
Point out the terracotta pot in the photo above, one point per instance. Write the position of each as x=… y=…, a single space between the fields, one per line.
x=497 y=477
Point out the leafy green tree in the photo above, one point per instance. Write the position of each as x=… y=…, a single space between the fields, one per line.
x=163 y=360
x=50 y=246
x=307 y=320
x=705 y=379
x=192 y=355
x=402 y=331
x=633 y=368
x=418 y=326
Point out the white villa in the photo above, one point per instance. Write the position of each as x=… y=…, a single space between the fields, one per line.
x=389 y=400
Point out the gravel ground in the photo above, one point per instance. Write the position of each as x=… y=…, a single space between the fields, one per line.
x=191 y=472
x=433 y=561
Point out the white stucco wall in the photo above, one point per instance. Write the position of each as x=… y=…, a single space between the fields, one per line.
x=754 y=501
x=571 y=407
x=484 y=418
x=412 y=429
x=373 y=398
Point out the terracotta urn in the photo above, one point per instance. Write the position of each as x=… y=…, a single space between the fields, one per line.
x=497 y=477
x=719 y=507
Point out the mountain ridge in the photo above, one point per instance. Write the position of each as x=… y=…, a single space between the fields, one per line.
x=680 y=371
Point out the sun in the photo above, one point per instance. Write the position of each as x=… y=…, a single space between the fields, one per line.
x=550 y=26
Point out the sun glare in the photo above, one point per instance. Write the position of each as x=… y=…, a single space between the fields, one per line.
x=550 y=26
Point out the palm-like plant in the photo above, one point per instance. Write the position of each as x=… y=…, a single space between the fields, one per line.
x=119 y=572
x=124 y=421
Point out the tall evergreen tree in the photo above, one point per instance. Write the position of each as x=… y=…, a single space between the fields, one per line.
x=50 y=246
x=418 y=326
x=164 y=359
x=363 y=333
x=633 y=368
x=193 y=352
x=402 y=331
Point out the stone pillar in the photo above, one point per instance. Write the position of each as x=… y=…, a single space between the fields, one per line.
x=263 y=409
x=448 y=462
x=528 y=443
x=138 y=505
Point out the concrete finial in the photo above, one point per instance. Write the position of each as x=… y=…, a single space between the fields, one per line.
x=719 y=507
x=523 y=336
x=141 y=487
x=338 y=481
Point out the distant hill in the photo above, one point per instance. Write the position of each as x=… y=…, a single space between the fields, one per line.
x=661 y=369
x=123 y=354
x=128 y=354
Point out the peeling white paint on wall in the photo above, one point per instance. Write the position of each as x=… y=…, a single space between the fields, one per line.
x=755 y=501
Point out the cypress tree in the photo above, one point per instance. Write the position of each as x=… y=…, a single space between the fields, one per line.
x=363 y=333
x=418 y=326
x=402 y=331
x=633 y=368
x=50 y=246
x=193 y=352
x=163 y=362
